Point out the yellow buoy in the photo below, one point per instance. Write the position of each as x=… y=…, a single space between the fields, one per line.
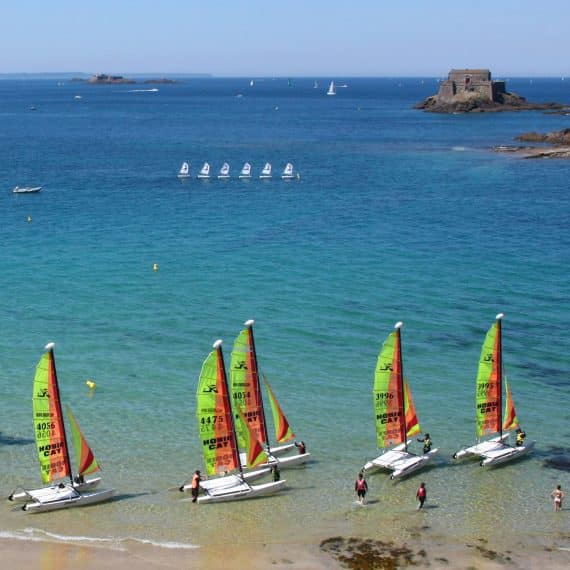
x=91 y=384
x=155 y=266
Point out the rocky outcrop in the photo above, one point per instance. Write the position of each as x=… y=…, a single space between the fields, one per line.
x=556 y=138
x=103 y=78
x=473 y=102
x=558 y=145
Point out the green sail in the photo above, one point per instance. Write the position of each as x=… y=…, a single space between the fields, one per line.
x=488 y=391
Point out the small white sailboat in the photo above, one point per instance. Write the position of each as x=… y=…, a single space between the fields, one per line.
x=251 y=83
x=26 y=189
x=53 y=450
x=331 y=90
x=266 y=171
x=218 y=438
x=184 y=171
x=396 y=418
x=288 y=172
x=246 y=391
x=204 y=171
x=245 y=171
x=315 y=85
x=489 y=406
x=224 y=171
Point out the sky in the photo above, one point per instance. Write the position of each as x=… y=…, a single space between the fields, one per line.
x=286 y=37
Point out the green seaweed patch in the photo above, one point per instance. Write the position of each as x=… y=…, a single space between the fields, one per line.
x=368 y=554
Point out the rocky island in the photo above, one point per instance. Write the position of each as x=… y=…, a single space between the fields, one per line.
x=473 y=91
x=105 y=79
x=557 y=145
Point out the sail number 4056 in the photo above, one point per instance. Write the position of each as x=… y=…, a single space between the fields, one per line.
x=45 y=425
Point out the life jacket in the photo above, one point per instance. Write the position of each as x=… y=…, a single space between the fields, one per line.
x=422 y=492
x=360 y=485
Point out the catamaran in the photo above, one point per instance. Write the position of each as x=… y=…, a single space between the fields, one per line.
x=396 y=418
x=245 y=171
x=247 y=396
x=26 y=189
x=217 y=431
x=224 y=171
x=288 y=172
x=204 y=171
x=331 y=90
x=489 y=406
x=266 y=171
x=53 y=451
x=184 y=171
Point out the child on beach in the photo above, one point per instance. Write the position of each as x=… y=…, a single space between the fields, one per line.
x=361 y=486
x=421 y=495
x=558 y=495
x=195 y=485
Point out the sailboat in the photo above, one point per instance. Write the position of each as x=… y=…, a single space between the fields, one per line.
x=53 y=451
x=396 y=418
x=204 y=171
x=332 y=90
x=219 y=441
x=246 y=394
x=184 y=171
x=266 y=171
x=288 y=172
x=315 y=85
x=489 y=406
x=224 y=171
x=245 y=171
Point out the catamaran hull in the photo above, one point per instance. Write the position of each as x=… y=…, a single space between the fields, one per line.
x=227 y=481
x=481 y=449
x=21 y=496
x=280 y=450
x=67 y=500
x=286 y=462
x=507 y=454
x=400 y=462
x=242 y=492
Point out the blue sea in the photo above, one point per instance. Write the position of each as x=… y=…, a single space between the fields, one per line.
x=398 y=215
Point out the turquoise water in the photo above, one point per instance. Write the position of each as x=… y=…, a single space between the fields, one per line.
x=399 y=215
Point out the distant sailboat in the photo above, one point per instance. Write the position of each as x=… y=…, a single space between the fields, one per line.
x=332 y=90
x=315 y=85
x=245 y=171
x=184 y=171
x=224 y=171
x=266 y=172
x=288 y=172
x=204 y=171
x=251 y=83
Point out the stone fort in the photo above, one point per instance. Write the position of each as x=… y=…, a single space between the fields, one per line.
x=470 y=81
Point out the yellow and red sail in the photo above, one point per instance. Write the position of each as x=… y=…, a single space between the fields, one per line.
x=48 y=422
x=86 y=462
x=255 y=454
x=510 y=420
x=283 y=431
x=412 y=422
x=214 y=413
x=246 y=390
x=389 y=393
x=488 y=392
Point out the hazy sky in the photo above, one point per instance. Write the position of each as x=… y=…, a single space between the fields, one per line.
x=286 y=37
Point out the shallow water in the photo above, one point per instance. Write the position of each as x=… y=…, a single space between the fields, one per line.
x=399 y=215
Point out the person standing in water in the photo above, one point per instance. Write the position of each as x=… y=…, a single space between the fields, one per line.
x=558 y=495
x=427 y=443
x=361 y=487
x=195 y=485
x=421 y=495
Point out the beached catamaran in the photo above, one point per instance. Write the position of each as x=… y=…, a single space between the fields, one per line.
x=489 y=406
x=246 y=395
x=396 y=418
x=219 y=441
x=53 y=451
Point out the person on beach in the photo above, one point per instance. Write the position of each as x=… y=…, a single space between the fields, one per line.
x=421 y=495
x=520 y=437
x=361 y=487
x=427 y=442
x=302 y=447
x=276 y=473
x=558 y=495
x=195 y=485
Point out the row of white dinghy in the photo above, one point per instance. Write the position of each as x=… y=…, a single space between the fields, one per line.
x=245 y=172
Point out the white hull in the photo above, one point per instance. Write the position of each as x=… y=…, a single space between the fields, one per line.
x=24 y=495
x=400 y=462
x=203 y=176
x=265 y=176
x=242 y=491
x=281 y=449
x=63 y=498
x=245 y=176
x=508 y=453
x=18 y=190
x=227 y=481
x=184 y=176
x=282 y=462
x=480 y=449
x=223 y=176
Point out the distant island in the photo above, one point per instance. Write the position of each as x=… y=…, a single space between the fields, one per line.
x=104 y=79
x=473 y=91
x=557 y=145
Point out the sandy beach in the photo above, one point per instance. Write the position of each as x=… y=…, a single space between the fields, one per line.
x=336 y=552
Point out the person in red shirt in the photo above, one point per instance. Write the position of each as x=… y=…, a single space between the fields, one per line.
x=361 y=486
x=421 y=495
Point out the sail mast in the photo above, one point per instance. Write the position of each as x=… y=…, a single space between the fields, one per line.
x=249 y=325
x=499 y=318
x=402 y=410
x=49 y=347
x=218 y=346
